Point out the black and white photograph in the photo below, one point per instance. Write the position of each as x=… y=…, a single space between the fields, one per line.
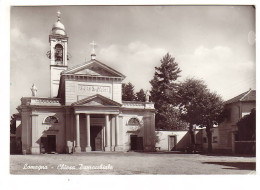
x=132 y=90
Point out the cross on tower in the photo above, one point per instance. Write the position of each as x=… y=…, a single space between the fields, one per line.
x=58 y=13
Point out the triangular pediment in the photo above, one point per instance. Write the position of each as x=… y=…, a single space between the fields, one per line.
x=94 y=68
x=96 y=100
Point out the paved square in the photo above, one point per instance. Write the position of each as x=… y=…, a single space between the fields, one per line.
x=130 y=163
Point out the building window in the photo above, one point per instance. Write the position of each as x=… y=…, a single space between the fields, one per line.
x=133 y=121
x=245 y=113
x=215 y=140
x=51 y=120
x=204 y=139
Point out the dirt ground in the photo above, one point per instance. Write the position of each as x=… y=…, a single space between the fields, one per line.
x=131 y=163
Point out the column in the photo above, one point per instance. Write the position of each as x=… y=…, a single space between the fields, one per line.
x=35 y=148
x=103 y=138
x=107 y=133
x=88 y=147
x=116 y=130
x=77 y=147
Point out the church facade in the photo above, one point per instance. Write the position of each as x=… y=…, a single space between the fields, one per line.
x=85 y=111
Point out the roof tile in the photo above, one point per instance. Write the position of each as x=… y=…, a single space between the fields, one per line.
x=246 y=96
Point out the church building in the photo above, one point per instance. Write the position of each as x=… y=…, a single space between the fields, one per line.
x=85 y=111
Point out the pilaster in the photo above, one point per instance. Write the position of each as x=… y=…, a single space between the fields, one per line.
x=148 y=127
x=35 y=148
x=26 y=133
x=68 y=137
x=118 y=146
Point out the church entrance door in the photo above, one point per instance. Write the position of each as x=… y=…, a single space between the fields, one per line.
x=96 y=138
x=136 y=143
x=51 y=140
x=48 y=144
x=172 y=143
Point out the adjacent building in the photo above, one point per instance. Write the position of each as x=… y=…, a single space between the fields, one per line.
x=225 y=135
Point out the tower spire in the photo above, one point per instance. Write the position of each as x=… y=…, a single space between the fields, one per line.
x=58 y=15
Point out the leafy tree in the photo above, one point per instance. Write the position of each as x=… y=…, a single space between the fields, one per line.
x=164 y=86
x=140 y=96
x=128 y=92
x=200 y=107
x=173 y=121
x=247 y=127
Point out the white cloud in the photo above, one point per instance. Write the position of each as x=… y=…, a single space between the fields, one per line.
x=135 y=60
x=35 y=42
x=216 y=52
x=25 y=48
x=18 y=38
x=223 y=70
x=16 y=34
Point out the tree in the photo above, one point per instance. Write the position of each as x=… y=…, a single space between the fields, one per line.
x=13 y=124
x=199 y=107
x=247 y=126
x=128 y=92
x=140 y=96
x=173 y=121
x=164 y=87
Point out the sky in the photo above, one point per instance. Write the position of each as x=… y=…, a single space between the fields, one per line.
x=212 y=43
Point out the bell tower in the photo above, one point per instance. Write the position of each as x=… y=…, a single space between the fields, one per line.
x=58 y=54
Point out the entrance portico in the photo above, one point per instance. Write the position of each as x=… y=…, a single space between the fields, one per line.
x=109 y=133
x=104 y=114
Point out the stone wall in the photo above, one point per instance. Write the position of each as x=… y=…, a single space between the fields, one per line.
x=182 y=139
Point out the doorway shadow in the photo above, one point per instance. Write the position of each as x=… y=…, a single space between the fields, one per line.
x=235 y=165
x=161 y=152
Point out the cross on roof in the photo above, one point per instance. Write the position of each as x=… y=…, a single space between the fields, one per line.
x=93 y=44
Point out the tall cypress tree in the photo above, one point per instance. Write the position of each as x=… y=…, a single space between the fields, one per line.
x=140 y=96
x=164 y=88
x=128 y=92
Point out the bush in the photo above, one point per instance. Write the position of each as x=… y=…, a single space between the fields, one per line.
x=246 y=127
